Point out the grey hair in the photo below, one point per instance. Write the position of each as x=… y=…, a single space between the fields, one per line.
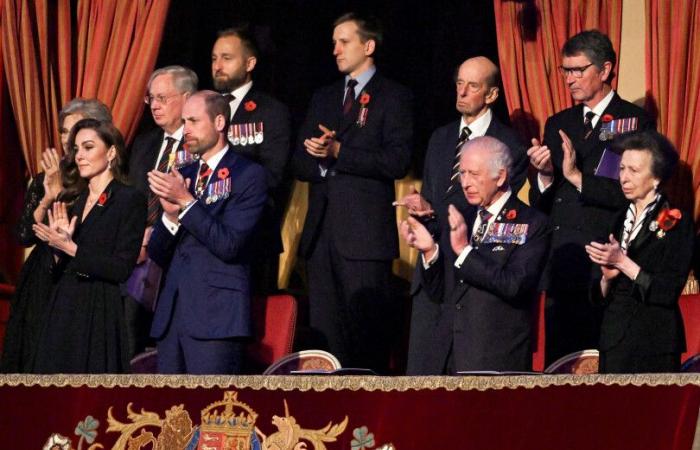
x=499 y=153
x=184 y=79
x=88 y=108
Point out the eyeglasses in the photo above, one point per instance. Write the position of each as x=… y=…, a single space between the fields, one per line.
x=576 y=72
x=162 y=99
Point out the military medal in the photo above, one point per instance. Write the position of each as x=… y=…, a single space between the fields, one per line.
x=244 y=134
x=612 y=127
x=258 y=133
x=251 y=136
x=235 y=131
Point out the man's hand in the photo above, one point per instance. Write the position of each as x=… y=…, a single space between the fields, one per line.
x=415 y=204
x=418 y=237
x=171 y=187
x=541 y=159
x=459 y=236
x=324 y=146
x=571 y=172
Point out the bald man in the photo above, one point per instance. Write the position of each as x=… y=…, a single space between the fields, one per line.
x=476 y=90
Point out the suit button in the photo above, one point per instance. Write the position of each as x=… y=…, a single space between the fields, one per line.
x=558 y=199
x=331 y=172
x=458 y=306
x=556 y=227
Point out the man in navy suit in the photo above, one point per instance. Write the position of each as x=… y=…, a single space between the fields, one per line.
x=260 y=130
x=477 y=89
x=581 y=203
x=485 y=274
x=355 y=141
x=203 y=237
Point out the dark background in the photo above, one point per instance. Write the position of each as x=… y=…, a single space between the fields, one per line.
x=424 y=43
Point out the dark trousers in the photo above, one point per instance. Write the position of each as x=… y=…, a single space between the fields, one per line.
x=572 y=323
x=180 y=353
x=349 y=305
x=633 y=362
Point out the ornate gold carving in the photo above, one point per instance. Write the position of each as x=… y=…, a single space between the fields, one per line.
x=289 y=434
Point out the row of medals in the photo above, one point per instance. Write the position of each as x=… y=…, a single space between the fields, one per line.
x=246 y=133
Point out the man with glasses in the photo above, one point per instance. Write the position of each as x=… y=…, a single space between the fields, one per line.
x=167 y=90
x=576 y=186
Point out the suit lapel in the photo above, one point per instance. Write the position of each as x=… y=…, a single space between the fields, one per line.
x=645 y=233
x=348 y=120
x=97 y=209
x=242 y=115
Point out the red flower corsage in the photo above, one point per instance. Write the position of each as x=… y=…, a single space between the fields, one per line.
x=364 y=98
x=607 y=118
x=511 y=214
x=102 y=199
x=250 y=105
x=222 y=173
x=667 y=219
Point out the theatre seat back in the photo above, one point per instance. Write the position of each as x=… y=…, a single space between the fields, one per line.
x=6 y=293
x=690 y=309
x=274 y=318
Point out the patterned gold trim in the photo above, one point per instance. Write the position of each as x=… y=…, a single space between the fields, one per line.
x=353 y=383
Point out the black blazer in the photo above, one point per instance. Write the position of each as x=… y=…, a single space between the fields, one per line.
x=273 y=154
x=437 y=171
x=487 y=306
x=143 y=158
x=578 y=218
x=358 y=189
x=643 y=316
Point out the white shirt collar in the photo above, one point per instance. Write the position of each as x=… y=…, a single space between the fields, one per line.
x=599 y=108
x=479 y=126
x=216 y=158
x=497 y=206
x=177 y=135
x=239 y=93
x=362 y=79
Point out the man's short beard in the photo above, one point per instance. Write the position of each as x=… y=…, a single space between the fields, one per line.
x=225 y=85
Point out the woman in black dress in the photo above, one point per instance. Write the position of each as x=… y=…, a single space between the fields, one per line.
x=645 y=264
x=95 y=245
x=34 y=285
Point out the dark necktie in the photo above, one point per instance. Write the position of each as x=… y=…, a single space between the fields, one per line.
x=153 y=203
x=229 y=97
x=483 y=226
x=454 y=178
x=349 y=96
x=588 y=124
x=202 y=178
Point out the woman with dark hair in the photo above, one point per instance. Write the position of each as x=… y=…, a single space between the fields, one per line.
x=645 y=264
x=95 y=248
x=35 y=283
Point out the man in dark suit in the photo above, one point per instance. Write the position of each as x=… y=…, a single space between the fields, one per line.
x=167 y=90
x=260 y=130
x=203 y=237
x=355 y=141
x=580 y=202
x=485 y=274
x=476 y=90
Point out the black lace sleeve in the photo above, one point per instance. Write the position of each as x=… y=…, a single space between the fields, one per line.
x=35 y=193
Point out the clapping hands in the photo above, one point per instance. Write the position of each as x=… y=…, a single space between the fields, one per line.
x=59 y=232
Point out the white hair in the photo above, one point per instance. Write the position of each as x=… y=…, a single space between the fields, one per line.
x=499 y=153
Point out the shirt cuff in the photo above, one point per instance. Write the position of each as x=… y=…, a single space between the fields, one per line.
x=462 y=256
x=427 y=264
x=184 y=211
x=171 y=227
x=540 y=184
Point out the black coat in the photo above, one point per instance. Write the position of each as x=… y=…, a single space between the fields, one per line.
x=579 y=218
x=143 y=158
x=84 y=331
x=357 y=192
x=486 y=315
x=437 y=171
x=642 y=317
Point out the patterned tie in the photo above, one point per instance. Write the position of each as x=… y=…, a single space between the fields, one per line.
x=588 y=124
x=153 y=203
x=454 y=178
x=349 y=96
x=203 y=178
x=483 y=226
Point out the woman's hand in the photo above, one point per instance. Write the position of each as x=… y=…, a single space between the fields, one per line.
x=51 y=163
x=609 y=256
x=59 y=232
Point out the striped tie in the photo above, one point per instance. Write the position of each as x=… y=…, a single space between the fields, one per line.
x=588 y=124
x=202 y=178
x=153 y=203
x=483 y=226
x=454 y=179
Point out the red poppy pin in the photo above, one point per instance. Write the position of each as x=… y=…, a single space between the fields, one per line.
x=102 y=199
x=511 y=214
x=222 y=173
x=250 y=105
x=607 y=118
x=666 y=220
x=364 y=98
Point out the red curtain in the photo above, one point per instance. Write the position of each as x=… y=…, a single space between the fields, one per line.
x=109 y=55
x=530 y=36
x=673 y=87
